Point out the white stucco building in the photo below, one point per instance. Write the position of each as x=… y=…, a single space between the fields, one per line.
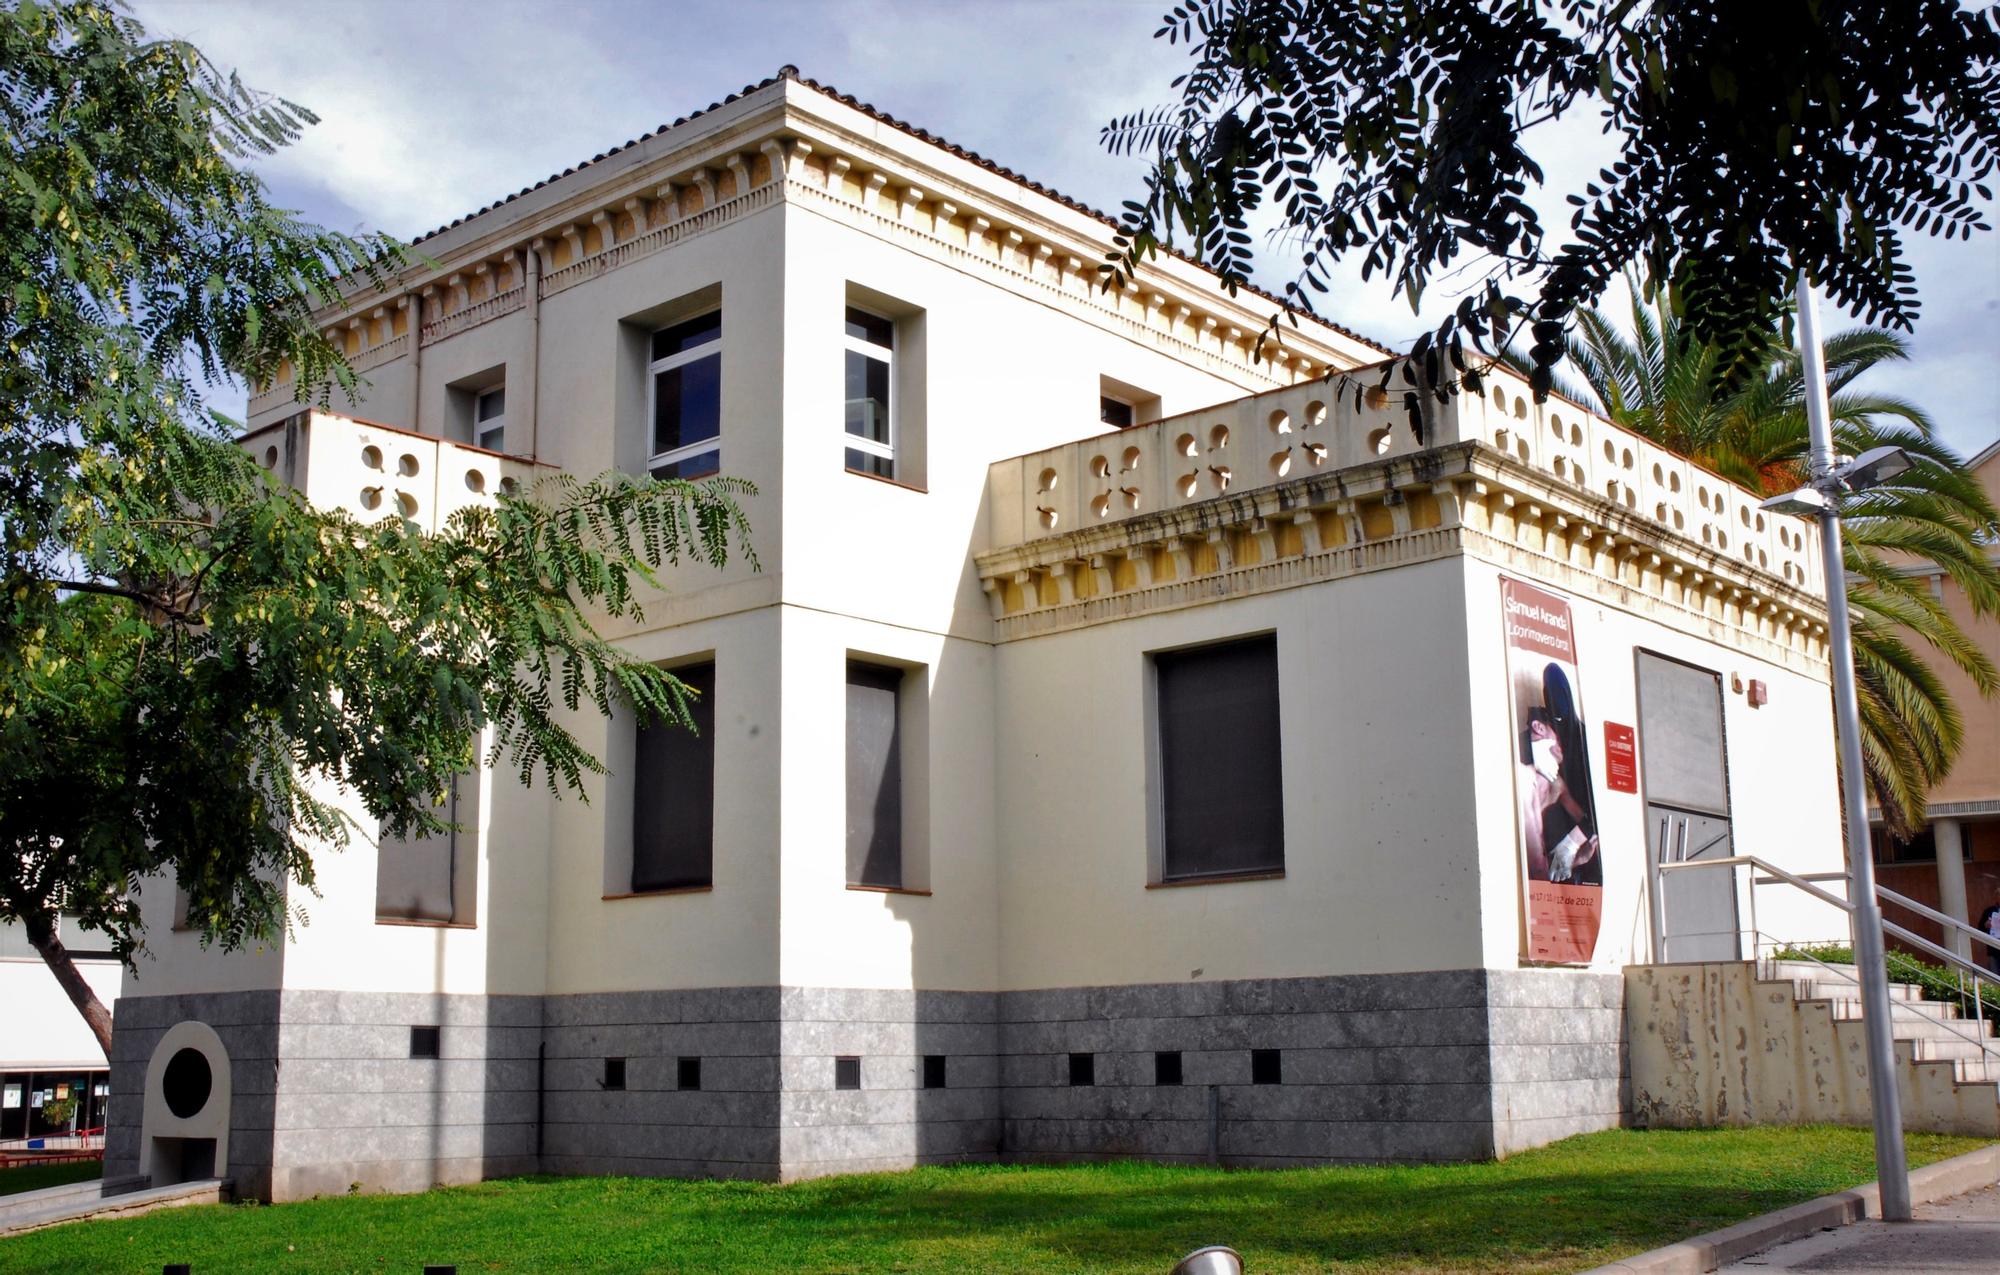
x=1124 y=747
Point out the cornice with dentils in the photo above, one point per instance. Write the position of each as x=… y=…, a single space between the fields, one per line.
x=791 y=105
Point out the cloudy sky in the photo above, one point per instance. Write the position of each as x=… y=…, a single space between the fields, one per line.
x=432 y=108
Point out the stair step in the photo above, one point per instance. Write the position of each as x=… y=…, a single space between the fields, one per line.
x=1976 y=1071
x=1948 y=1047
x=1836 y=988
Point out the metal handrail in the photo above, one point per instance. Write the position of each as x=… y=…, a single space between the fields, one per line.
x=1752 y=861
x=1988 y=1045
x=1945 y=919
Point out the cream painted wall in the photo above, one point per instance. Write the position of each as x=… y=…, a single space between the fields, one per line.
x=724 y=937
x=1003 y=374
x=1380 y=869
x=1784 y=804
x=832 y=935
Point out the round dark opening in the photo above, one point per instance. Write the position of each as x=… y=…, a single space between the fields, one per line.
x=186 y=1083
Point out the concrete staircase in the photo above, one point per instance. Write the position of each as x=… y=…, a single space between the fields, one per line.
x=1729 y=1043
x=107 y=1197
x=1934 y=1030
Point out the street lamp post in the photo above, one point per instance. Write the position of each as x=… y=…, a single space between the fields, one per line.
x=1821 y=499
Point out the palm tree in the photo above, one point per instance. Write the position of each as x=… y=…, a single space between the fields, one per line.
x=1658 y=383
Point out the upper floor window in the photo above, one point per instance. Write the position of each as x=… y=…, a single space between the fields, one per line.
x=871 y=406
x=489 y=419
x=1221 y=783
x=1115 y=412
x=685 y=388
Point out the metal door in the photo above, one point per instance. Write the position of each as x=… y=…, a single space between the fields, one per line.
x=1685 y=763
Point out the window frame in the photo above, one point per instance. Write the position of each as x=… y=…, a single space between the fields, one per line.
x=482 y=426
x=886 y=356
x=1131 y=411
x=465 y=849
x=656 y=461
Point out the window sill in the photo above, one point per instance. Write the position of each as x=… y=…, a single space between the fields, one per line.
x=1279 y=875
x=655 y=894
x=888 y=889
x=890 y=482
x=416 y=924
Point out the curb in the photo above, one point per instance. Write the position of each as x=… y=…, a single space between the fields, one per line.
x=1704 y=1253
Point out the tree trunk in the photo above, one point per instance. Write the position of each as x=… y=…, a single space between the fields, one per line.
x=42 y=934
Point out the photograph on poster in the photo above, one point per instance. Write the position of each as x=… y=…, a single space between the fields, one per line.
x=1562 y=868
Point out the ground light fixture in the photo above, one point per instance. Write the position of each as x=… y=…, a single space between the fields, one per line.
x=1820 y=500
x=1216 y=1259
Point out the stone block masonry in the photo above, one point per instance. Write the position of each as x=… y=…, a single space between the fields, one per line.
x=749 y=1082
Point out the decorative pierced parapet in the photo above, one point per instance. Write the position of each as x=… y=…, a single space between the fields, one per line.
x=1300 y=484
x=374 y=470
x=1269 y=439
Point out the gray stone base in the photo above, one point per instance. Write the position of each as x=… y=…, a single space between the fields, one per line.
x=1451 y=1065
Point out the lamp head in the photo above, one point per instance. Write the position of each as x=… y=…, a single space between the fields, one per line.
x=1874 y=467
x=1807 y=502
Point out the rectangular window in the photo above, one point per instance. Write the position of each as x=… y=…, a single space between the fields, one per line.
x=934 y=1071
x=687 y=1074
x=425 y=1042
x=1267 y=1067
x=871 y=416
x=1221 y=790
x=614 y=1073
x=1167 y=1067
x=673 y=797
x=685 y=378
x=1082 y=1069
x=874 y=777
x=432 y=876
x=489 y=419
x=1114 y=411
x=847 y=1073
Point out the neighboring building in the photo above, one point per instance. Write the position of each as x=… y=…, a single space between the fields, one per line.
x=1124 y=749
x=46 y=1049
x=1953 y=864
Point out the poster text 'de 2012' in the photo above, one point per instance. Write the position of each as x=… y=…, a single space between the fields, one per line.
x=1556 y=822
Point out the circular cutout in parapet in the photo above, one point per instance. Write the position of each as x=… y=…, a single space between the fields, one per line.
x=186 y=1083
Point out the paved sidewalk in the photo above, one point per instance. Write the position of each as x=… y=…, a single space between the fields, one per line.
x=1959 y=1233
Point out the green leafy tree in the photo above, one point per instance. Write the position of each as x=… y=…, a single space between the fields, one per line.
x=1663 y=384
x=190 y=655
x=1753 y=142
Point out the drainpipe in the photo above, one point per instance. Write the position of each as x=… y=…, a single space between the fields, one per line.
x=534 y=369
x=416 y=300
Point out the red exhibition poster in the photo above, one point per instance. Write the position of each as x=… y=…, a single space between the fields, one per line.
x=1557 y=814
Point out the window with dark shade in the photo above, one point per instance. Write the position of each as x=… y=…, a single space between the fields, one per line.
x=424 y=1042
x=874 y=777
x=847 y=1073
x=686 y=393
x=673 y=794
x=614 y=1073
x=687 y=1074
x=1083 y=1069
x=1267 y=1067
x=1167 y=1067
x=1222 y=796
x=934 y=1071
x=1114 y=412
x=431 y=876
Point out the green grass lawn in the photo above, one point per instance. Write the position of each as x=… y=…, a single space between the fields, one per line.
x=1562 y=1208
x=33 y=1177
